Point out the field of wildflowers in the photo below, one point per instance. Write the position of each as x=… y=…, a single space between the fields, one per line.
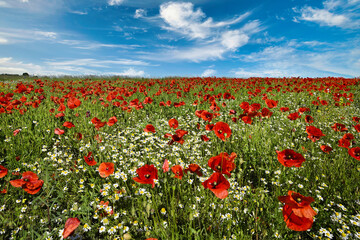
x=180 y=158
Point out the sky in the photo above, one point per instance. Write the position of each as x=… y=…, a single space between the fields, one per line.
x=198 y=38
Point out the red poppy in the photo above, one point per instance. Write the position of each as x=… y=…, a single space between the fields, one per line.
x=165 y=166
x=68 y=125
x=89 y=159
x=227 y=95
x=178 y=171
x=357 y=127
x=206 y=116
x=344 y=143
x=29 y=182
x=106 y=169
x=146 y=175
x=173 y=123
x=112 y=121
x=3 y=191
x=271 y=103
x=338 y=127
x=209 y=127
x=294 y=116
x=314 y=133
x=59 y=131
x=218 y=184
x=290 y=158
x=309 y=119
x=298 y=215
x=16 y=132
x=70 y=225
x=348 y=136
x=324 y=102
x=204 y=138
x=246 y=119
x=78 y=136
x=3 y=171
x=266 y=113
x=303 y=109
x=181 y=133
x=194 y=168
x=149 y=128
x=73 y=103
x=326 y=149
x=355 y=152
x=284 y=109
x=356 y=119
x=222 y=130
x=62 y=108
x=223 y=163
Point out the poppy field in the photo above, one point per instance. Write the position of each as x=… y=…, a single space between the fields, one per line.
x=180 y=158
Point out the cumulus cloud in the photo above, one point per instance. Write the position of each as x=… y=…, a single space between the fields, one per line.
x=208 y=73
x=115 y=2
x=212 y=39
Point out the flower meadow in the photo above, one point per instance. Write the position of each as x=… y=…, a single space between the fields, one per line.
x=180 y=158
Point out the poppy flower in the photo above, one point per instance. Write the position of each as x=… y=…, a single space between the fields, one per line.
x=227 y=95
x=222 y=130
x=204 y=138
x=293 y=116
x=303 y=109
x=246 y=119
x=146 y=175
x=73 y=103
x=16 y=132
x=344 y=143
x=112 y=121
x=165 y=166
x=173 y=123
x=348 y=136
x=356 y=119
x=326 y=149
x=271 y=103
x=90 y=160
x=194 y=168
x=223 y=163
x=206 y=116
x=68 y=125
x=149 y=128
x=298 y=215
x=357 y=127
x=70 y=225
x=338 y=127
x=209 y=127
x=324 y=102
x=59 y=131
x=218 y=184
x=3 y=171
x=29 y=182
x=309 y=119
x=106 y=169
x=284 y=109
x=178 y=171
x=290 y=158
x=314 y=133
x=266 y=113
x=78 y=136
x=355 y=152
x=181 y=133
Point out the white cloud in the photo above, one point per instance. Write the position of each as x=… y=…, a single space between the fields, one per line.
x=287 y=60
x=115 y=2
x=78 y=12
x=181 y=17
x=140 y=13
x=336 y=13
x=208 y=73
x=192 y=54
x=323 y=17
x=15 y=35
x=24 y=1
x=90 y=62
x=131 y=73
x=3 y=40
x=94 y=45
x=212 y=38
x=4 y=4
x=234 y=39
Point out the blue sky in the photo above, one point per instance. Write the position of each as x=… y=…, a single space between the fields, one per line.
x=156 y=38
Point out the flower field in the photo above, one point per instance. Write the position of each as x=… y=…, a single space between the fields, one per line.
x=180 y=158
